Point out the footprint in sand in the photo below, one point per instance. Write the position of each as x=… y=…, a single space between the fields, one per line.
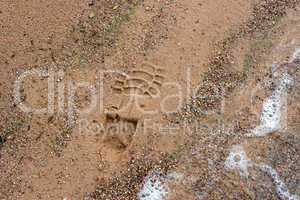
x=145 y=80
x=137 y=90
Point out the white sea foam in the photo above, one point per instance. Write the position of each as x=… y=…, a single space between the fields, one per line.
x=296 y=55
x=271 y=116
x=238 y=160
x=270 y=121
x=175 y=176
x=281 y=188
x=154 y=188
x=156 y=185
